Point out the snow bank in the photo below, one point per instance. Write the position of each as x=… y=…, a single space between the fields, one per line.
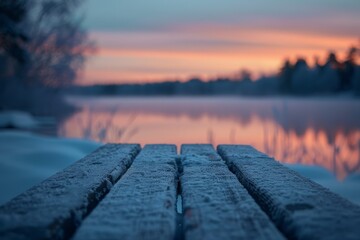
x=23 y=120
x=17 y=119
x=26 y=158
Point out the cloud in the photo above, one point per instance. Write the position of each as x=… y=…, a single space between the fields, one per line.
x=328 y=16
x=173 y=39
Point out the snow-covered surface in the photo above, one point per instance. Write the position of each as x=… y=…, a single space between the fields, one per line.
x=56 y=206
x=19 y=120
x=215 y=204
x=27 y=158
x=299 y=207
x=142 y=204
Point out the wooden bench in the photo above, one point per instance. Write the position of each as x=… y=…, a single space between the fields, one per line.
x=121 y=191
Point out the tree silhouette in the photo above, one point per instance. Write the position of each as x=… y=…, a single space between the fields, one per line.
x=244 y=75
x=332 y=60
x=302 y=78
x=348 y=69
x=12 y=37
x=285 y=76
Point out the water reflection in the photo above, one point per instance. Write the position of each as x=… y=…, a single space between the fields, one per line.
x=321 y=132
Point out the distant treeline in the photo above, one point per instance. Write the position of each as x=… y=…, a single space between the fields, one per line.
x=294 y=78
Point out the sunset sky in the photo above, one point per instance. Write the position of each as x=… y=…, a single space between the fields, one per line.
x=170 y=39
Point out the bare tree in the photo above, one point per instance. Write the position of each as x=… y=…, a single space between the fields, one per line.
x=42 y=47
x=58 y=45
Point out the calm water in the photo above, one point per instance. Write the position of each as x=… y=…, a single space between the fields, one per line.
x=319 y=138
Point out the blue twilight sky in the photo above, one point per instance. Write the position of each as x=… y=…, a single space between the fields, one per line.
x=168 y=39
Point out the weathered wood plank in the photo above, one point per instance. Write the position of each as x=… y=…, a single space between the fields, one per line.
x=142 y=204
x=54 y=208
x=299 y=207
x=215 y=204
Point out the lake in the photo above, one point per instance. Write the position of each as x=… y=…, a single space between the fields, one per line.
x=317 y=137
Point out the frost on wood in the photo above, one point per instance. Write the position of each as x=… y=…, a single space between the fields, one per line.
x=54 y=208
x=142 y=204
x=299 y=207
x=215 y=204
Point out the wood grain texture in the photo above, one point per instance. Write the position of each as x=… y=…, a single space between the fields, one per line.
x=215 y=204
x=55 y=208
x=142 y=204
x=299 y=207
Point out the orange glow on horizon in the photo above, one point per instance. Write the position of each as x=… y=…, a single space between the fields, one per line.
x=126 y=57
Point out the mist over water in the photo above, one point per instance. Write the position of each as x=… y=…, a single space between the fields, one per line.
x=318 y=137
